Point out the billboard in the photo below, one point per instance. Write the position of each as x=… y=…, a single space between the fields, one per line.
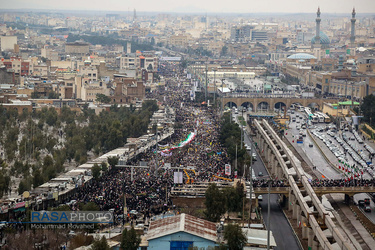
x=177 y=177
x=228 y=169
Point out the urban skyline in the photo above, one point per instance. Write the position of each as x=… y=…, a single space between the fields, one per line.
x=195 y=6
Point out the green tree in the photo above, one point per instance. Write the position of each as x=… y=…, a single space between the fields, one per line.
x=215 y=203
x=101 y=244
x=60 y=208
x=37 y=178
x=95 y=171
x=101 y=98
x=4 y=184
x=184 y=64
x=24 y=185
x=35 y=95
x=104 y=166
x=224 y=50
x=53 y=95
x=130 y=240
x=90 y=206
x=234 y=236
x=51 y=117
x=368 y=109
x=234 y=198
x=113 y=161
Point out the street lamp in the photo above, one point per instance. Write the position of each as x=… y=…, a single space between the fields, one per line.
x=214 y=84
x=268 y=215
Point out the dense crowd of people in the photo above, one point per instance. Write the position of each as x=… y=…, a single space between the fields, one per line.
x=343 y=183
x=149 y=191
x=204 y=156
x=264 y=183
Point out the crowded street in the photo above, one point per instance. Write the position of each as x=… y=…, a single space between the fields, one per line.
x=148 y=192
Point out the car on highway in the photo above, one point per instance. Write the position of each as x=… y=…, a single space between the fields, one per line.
x=368 y=209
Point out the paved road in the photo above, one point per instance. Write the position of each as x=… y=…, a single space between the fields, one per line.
x=370 y=215
x=282 y=232
x=312 y=153
x=318 y=160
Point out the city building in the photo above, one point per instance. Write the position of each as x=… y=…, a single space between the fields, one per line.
x=7 y=43
x=77 y=48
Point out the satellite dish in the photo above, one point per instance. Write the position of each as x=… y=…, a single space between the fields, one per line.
x=26 y=194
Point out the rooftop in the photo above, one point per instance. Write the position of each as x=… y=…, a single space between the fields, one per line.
x=182 y=223
x=301 y=56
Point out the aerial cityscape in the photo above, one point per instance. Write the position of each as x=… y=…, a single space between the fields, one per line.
x=203 y=125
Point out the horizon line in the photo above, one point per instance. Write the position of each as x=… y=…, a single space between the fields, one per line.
x=176 y=12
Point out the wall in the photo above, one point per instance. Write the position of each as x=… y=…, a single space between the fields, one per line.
x=164 y=242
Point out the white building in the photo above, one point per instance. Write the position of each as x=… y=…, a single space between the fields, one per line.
x=7 y=42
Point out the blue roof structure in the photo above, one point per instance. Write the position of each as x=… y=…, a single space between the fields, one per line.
x=301 y=56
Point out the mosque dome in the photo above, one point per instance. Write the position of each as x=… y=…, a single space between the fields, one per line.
x=324 y=40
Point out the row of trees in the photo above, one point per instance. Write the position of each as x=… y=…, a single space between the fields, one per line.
x=368 y=109
x=109 y=40
x=38 y=144
x=230 y=137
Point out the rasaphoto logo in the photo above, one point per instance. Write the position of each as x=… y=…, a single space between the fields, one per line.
x=71 y=217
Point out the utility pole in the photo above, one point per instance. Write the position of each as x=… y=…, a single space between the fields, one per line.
x=157 y=160
x=222 y=96
x=205 y=92
x=268 y=216
x=242 y=132
x=166 y=193
x=251 y=191
x=235 y=169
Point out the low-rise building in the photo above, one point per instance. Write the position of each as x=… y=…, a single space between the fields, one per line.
x=182 y=231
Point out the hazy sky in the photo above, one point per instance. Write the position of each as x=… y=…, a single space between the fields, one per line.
x=219 y=6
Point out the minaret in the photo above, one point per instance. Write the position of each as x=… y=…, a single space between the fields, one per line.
x=316 y=46
x=317 y=36
x=352 y=35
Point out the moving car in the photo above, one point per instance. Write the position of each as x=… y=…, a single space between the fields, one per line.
x=368 y=209
x=260 y=174
x=367 y=201
x=260 y=198
x=361 y=203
